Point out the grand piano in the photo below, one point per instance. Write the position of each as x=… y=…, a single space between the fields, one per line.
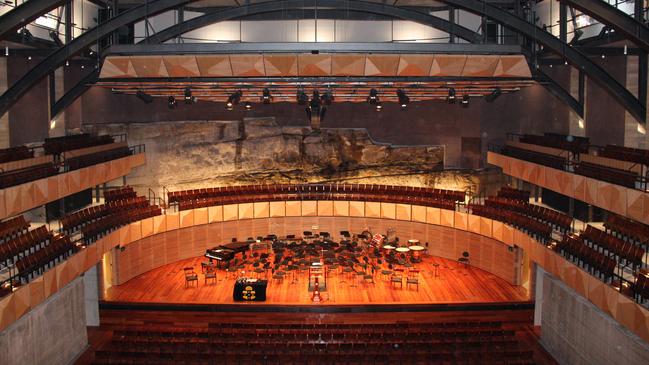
x=225 y=253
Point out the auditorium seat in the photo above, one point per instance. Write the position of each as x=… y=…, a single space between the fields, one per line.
x=609 y=174
x=58 y=145
x=27 y=174
x=552 y=161
x=15 y=154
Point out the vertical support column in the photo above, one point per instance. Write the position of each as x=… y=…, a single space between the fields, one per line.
x=91 y=296
x=636 y=83
x=68 y=22
x=57 y=90
x=538 y=294
x=563 y=22
x=4 y=119
x=451 y=19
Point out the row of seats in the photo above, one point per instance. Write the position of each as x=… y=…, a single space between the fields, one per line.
x=82 y=161
x=120 y=193
x=24 y=244
x=539 y=230
x=15 y=154
x=58 y=250
x=73 y=221
x=58 y=145
x=627 y=251
x=322 y=191
x=594 y=261
x=609 y=174
x=209 y=202
x=629 y=229
x=98 y=228
x=13 y=227
x=561 y=141
x=555 y=162
x=468 y=342
x=622 y=153
x=21 y=176
x=515 y=194
x=558 y=220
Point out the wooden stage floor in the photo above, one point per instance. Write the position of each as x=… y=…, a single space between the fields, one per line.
x=456 y=284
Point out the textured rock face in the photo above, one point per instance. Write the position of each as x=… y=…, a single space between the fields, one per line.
x=188 y=155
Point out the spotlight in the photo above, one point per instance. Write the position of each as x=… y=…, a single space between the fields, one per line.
x=146 y=98
x=465 y=100
x=233 y=99
x=171 y=102
x=374 y=97
x=327 y=97
x=451 y=96
x=247 y=105
x=266 y=97
x=379 y=106
x=302 y=97
x=26 y=35
x=494 y=94
x=403 y=99
x=53 y=124
x=188 y=96
x=315 y=112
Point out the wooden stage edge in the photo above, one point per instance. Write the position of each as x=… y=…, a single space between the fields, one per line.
x=317 y=308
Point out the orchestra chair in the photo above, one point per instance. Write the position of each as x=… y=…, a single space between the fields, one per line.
x=464 y=259
x=413 y=279
x=190 y=276
x=397 y=279
x=210 y=274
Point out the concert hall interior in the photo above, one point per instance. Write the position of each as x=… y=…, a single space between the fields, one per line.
x=324 y=182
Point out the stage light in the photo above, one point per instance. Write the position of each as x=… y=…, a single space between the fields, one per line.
x=233 y=99
x=302 y=97
x=327 y=97
x=171 y=102
x=266 y=97
x=247 y=105
x=494 y=95
x=373 y=98
x=451 y=96
x=465 y=100
x=53 y=124
x=146 y=98
x=379 y=106
x=641 y=129
x=403 y=99
x=315 y=112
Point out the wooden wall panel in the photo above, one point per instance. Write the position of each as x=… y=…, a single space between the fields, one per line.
x=325 y=208
x=200 y=216
x=309 y=208
x=261 y=209
x=246 y=211
x=418 y=213
x=447 y=218
x=277 y=209
x=388 y=210
x=293 y=208
x=341 y=208
x=357 y=209
x=403 y=212
x=433 y=216
x=373 y=209
x=230 y=212
x=186 y=218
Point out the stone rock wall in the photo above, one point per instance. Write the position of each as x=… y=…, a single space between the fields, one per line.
x=188 y=155
x=576 y=332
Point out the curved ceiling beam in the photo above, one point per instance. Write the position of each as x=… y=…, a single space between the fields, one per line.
x=274 y=6
x=58 y=57
x=610 y=15
x=25 y=13
x=268 y=7
x=576 y=58
x=559 y=92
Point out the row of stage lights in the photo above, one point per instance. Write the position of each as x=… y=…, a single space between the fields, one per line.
x=303 y=99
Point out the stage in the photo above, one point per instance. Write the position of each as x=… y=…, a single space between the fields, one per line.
x=456 y=287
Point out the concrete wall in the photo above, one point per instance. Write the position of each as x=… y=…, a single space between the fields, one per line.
x=575 y=332
x=53 y=333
